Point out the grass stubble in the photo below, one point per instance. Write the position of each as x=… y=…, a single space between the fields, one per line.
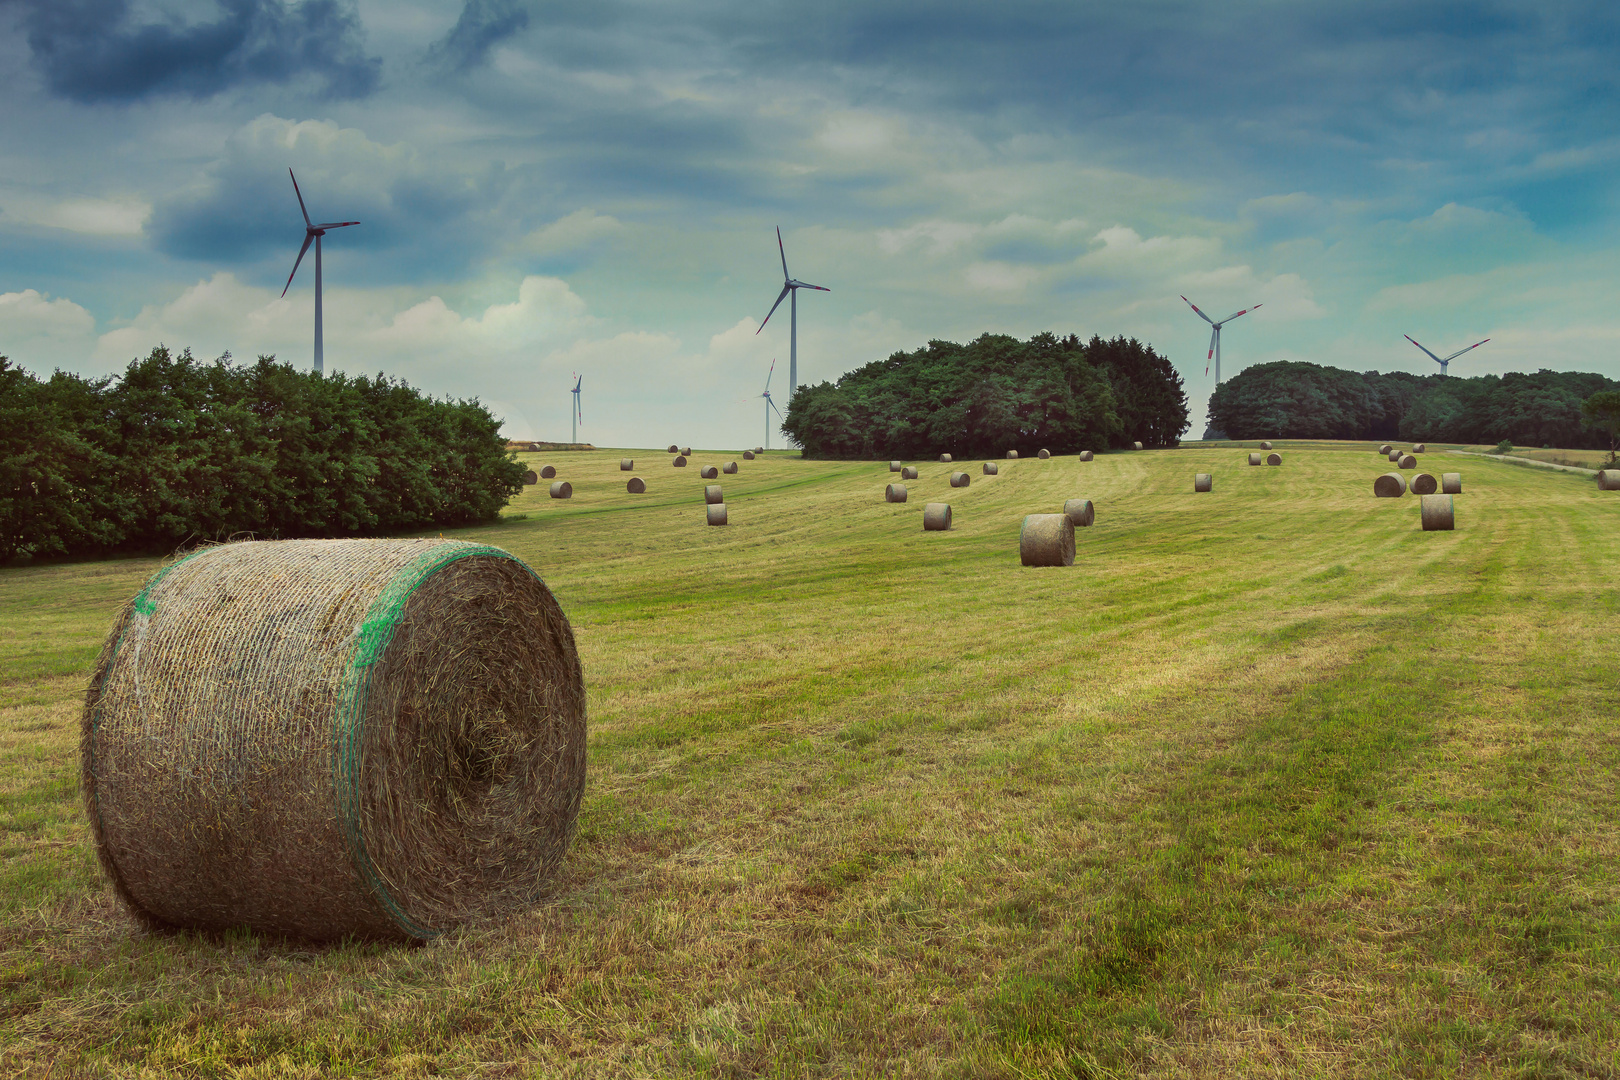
x=1268 y=783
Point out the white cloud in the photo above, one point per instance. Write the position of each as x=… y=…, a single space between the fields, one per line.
x=575 y=232
x=38 y=332
x=119 y=216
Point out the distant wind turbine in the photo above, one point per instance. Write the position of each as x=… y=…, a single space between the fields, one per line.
x=789 y=286
x=769 y=404
x=312 y=232
x=1215 y=337
x=576 y=416
x=1446 y=362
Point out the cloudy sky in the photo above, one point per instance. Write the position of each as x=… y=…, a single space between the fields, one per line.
x=548 y=188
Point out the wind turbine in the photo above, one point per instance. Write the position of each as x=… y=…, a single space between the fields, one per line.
x=1444 y=363
x=312 y=232
x=1215 y=337
x=576 y=416
x=789 y=286
x=769 y=404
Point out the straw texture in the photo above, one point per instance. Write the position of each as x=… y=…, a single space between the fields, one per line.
x=1265 y=444
x=960 y=479
x=894 y=493
x=895 y=466
x=1256 y=459
x=712 y=494
x=627 y=464
x=1046 y=540
x=674 y=449
x=1044 y=455
x=1607 y=479
x=1395 y=456
x=1451 y=483
x=1384 y=451
x=729 y=468
x=686 y=451
x=1420 y=448
x=936 y=517
x=1203 y=482
x=944 y=457
x=709 y=472
x=1424 y=484
x=548 y=472
x=1012 y=455
x=1438 y=514
x=1080 y=511
x=332 y=738
x=680 y=462
x=1086 y=455
x=562 y=489
x=1392 y=485
x=909 y=472
x=748 y=455
x=636 y=486
x=1273 y=459
x=991 y=468
x=717 y=513
x=1408 y=461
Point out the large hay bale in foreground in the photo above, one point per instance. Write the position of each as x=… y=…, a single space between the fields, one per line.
x=1080 y=511
x=1607 y=480
x=1136 y=446
x=1392 y=485
x=960 y=479
x=335 y=738
x=531 y=477
x=1265 y=444
x=679 y=462
x=562 y=489
x=729 y=468
x=894 y=493
x=1012 y=455
x=717 y=513
x=1451 y=483
x=895 y=466
x=636 y=486
x=1044 y=455
x=1046 y=540
x=909 y=472
x=1438 y=513
x=712 y=494
x=1086 y=455
x=936 y=517
x=945 y=459
x=1256 y=459
x=748 y=455
x=1408 y=461
x=1273 y=459
x=1424 y=484
x=548 y=472
x=991 y=469
x=627 y=464
x=709 y=472
x=1203 y=482
x=1420 y=448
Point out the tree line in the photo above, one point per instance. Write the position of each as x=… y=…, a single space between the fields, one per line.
x=1292 y=399
x=177 y=449
x=992 y=395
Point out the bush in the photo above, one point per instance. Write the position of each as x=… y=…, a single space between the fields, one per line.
x=1505 y=446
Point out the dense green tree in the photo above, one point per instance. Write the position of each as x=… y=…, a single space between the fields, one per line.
x=1602 y=412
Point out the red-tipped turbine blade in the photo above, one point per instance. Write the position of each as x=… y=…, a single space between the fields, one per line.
x=336 y=224
x=807 y=285
x=783 y=252
x=769 y=373
x=1201 y=315
x=1414 y=341
x=1245 y=311
x=309 y=237
x=1459 y=352
x=1215 y=336
x=779 y=298
x=300 y=195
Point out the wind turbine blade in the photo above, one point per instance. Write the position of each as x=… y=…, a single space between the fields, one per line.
x=769 y=373
x=1459 y=352
x=309 y=238
x=300 y=195
x=779 y=298
x=783 y=251
x=1431 y=355
x=1235 y=314
x=335 y=224
x=1201 y=315
x=772 y=404
x=1214 y=337
x=807 y=285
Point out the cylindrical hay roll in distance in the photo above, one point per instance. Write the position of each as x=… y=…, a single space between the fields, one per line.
x=717 y=513
x=960 y=479
x=936 y=517
x=1451 y=483
x=759 y=449
x=531 y=477
x=626 y=464
x=1273 y=459
x=1012 y=455
x=1607 y=480
x=894 y=493
x=944 y=458
x=909 y=472
x=548 y=472
x=1136 y=446
x=636 y=486
x=1044 y=455
x=335 y=738
x=748 y=455
x=991 y=468
x=1424 y=484
x=895 y=466
x=1408 y=461
x=1395 y=456
x=1420 y=448
x=1265 y=444
x=1256 y=459
x=729 y=467
x=1385 y=450
x=1438 y=513
x=1046 y=540
x=562 y=489
x=1080 y=511
x=674 y=449
x=1086 y=455
x=1203 y=482
x=709 y=472
x=712 y=494
x=680 y=462
x=1392 y=485
x=686 y=451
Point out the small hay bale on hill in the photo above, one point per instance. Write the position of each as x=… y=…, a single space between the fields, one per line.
x=1012 y=455
x=404 y=754
x=716 y=513
x=936 y=517
x=1451 y=483
x=1391 y=485
x=1408 y=461
x=1607 y=480
x=1420 y=448
x=1203 y=482
x=1257 y=459
x=548 y=472
x=679 y=462
x=531 y=477
x=991 y=468
x=1438 y=513
x=562 y=489
x=627 y=464
x=909 y=472
x=674 y=449
x=1385 y=450
x=1273 y=459
x=1136 y=445
x=1086 y=455
x=1046 y=540
x=712 y=494
x=895 y=466
x=1044 y=455
x=636 y=486
x=1424 y=484
x=1080 y=511
x=894 y=493
x=960 y=479
x=709 y=472
x=729 y=467
x=748 y=455
x=1265 y=444
x=944 y=459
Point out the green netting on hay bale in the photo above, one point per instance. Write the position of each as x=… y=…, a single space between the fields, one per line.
x=335 y=738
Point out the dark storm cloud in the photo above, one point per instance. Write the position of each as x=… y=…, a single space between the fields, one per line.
x=483 y=24
x=95 y=51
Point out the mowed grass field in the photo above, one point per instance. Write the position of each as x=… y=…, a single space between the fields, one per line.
x=1269 y=783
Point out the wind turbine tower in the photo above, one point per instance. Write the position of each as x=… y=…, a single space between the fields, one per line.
x=769 y=405
x=575 y=416
x=790 y=287
x=312 y=232
x=1444 y=362
x=1215 y=336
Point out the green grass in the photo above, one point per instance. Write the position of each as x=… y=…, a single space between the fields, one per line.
x=1270 y=783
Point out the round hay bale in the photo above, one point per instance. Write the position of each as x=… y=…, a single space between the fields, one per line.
x=1046 y=540
x=717 y=513
x=709 y=472
x=562 y=489
x=1451 y=483
x=335 y=738
x=1424 y=484
x=748 y=455
x=674 y=449
x=960 y=479
x=1203 y=482
x=945 y=458
x=1265 y=444
x=1607 y=480
x=1273 y=459
x=548 y=472
x=1384 y=451
x=636 y=486
x=1136 y=446
x=991 y=468
x=1086 y=455
x=531 y=477
x=1012 y=455
x=679 y=463
x=759 y=449
x=686 y=451
x=729 y=467
x=1438 y=513
x=1256 y=459
x=909 y=472
x=1420 y=448
x=1080 y=511
x=1044 y=455
x=1408 y=461
x=1392 y=485
x=626 y=464
x=936 y=517
x=1395 y=456
x=712 y=494
x=894 y=493
x=895 y=466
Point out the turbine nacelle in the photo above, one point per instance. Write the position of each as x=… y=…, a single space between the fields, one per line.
x=790 y=287
x=1443 y=361
x=1215 y=335
x=312 y=235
